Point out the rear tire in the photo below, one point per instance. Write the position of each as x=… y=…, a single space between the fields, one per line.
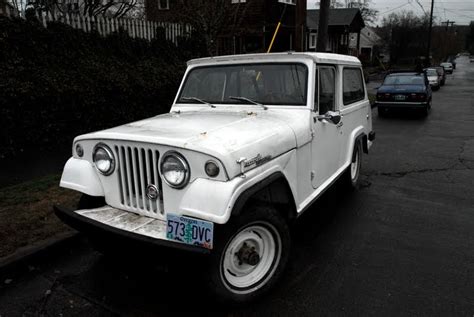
x=426 y=110
x=352 y=173
x=250 y=255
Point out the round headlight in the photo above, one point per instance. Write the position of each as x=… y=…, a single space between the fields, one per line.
x=103 y=159
x=212 y=170
x=175 y=170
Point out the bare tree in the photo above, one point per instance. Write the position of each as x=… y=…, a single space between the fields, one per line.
x=369 y=14
x=212 y=18
x=401 y=32
x=110 y=8
x=92 y=8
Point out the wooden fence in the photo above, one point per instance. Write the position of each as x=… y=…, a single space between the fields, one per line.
x=135 y=28
x=105 y=26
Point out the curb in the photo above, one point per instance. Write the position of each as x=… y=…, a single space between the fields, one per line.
x=14 y=261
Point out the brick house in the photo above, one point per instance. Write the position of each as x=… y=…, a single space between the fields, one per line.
x=251 y=24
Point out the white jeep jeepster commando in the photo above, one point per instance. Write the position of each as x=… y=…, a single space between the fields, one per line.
x=250 y=142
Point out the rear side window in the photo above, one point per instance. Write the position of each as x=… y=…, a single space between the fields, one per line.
x=353 y=87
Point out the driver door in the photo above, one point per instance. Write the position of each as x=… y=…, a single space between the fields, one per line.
x=325 y=147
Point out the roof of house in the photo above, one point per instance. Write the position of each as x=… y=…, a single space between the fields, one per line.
x=337 y=17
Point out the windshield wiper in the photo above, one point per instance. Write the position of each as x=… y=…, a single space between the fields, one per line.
x=198 y=100
x=248 y=100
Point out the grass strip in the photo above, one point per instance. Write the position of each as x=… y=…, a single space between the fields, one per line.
x=26 y=212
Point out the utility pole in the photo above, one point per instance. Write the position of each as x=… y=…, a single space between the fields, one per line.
x=448 y=23
x=428 y=49
x=323 y=26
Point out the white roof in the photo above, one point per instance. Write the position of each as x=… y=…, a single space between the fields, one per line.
x=277 y=57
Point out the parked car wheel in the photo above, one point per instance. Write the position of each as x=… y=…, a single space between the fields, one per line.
x=353 y=171
x=426 y=110
x=250 y=256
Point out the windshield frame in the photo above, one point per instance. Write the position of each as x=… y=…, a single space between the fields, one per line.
x=247 y=63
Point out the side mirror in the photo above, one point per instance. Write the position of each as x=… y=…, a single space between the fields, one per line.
x=330 y=116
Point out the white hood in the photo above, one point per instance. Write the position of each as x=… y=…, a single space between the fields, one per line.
x=226 y=135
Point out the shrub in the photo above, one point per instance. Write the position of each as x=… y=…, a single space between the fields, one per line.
x=58 y=82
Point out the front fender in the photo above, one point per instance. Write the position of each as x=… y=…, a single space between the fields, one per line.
x=80 y=175
x=214 y=200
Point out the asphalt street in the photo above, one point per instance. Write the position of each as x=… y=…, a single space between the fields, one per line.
x=402 y=244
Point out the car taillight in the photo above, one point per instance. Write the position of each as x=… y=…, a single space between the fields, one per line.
x=418 y=97
x=383 y=97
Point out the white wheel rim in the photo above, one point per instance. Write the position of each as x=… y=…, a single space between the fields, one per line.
x=355 y=166
x=242 y=277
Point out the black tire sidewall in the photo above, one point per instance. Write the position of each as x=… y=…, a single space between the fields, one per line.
x=225 y=233
x=357 y=152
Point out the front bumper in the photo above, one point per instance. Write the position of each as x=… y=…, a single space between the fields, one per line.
x=136 y=231
x=401 y=105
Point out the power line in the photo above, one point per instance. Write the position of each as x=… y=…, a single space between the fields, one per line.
x=421 y=6
x=395 y=8
x=463 y=15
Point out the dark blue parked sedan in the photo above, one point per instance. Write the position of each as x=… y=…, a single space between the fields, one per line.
x=409 y=90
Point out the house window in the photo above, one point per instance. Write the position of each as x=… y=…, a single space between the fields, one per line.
x=293 y=2
x=312 y=40
x=163 y=4
x=238 y=1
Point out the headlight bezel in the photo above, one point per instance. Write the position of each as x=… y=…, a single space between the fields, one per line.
x=183 y=162
x=110 y=153
x=208 y=162
x=79 y=149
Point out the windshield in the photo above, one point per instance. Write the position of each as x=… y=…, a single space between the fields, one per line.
x=403 y=80
x=270 y=83
x=431 y=72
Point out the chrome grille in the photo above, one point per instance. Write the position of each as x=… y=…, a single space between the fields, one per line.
x=138 y=168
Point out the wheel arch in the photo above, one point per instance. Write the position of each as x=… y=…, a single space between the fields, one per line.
x=358 y=135
x=274 y=190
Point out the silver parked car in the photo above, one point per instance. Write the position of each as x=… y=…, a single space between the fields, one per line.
x=433 y=78
x=448 y=67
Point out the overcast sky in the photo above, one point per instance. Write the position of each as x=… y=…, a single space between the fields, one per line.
x=460 y=11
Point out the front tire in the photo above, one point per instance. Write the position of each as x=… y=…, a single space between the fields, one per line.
x=250 y=255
